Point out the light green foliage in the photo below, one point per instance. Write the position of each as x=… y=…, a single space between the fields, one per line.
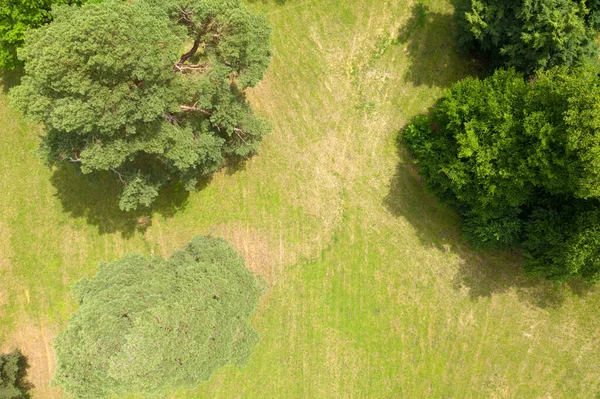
x=508 y=153
x=10 y=375
x=528 y=34
x=150 y=325
x=16 y=17
x=151 y=92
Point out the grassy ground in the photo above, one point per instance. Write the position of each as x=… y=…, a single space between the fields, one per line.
x=372 y=291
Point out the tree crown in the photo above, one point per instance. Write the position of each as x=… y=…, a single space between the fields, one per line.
x=148 y=90
x=148 y=325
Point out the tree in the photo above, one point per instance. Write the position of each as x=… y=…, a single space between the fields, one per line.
x=12 y=369
x=520 y=160
x=16 y=17
x=563 y=240
x=529 y=34
x=148 y=325
x=150 y=91
x=470 y=153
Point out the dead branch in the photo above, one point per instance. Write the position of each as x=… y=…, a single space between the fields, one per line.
x=171 y=119
x=184 y=108
x=74 y=158
x=120 y=176
x=188 y=55
x=238 y=131
x=178 y=67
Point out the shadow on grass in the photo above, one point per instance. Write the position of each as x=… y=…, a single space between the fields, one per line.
x=429 y=41
x=13 y=380
x=482 y=273
x=23 y=384
x=95 y=197
x=11 y=79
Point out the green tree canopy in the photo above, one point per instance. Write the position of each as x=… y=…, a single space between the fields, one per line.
x=529 y=34
x=521 y=162
x=11 y=374
x=16 y=17
x=151 y=90
x=148 y=325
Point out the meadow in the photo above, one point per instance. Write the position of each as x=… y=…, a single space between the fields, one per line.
x=372 y=293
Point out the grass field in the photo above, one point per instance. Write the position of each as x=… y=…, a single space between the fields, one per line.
x=372 y=292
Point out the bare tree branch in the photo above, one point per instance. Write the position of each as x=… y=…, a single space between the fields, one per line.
x=238 y=131
x=184 y=108
x=120 y=176
x=74 y=158
x=187 y=55
x=171 y=119
x=179 y=67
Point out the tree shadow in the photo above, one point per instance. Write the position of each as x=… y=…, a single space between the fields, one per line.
x=482 y=273
x=11 y=79
x=15 y=379
x=429 y=41
x=24 y=385
x=95 y=197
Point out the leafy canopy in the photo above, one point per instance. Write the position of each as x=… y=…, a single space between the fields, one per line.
x=16 y=17
x=11 y=374
x=150 y=91
x=148 y=325
x=530 y=34
x=521 y=162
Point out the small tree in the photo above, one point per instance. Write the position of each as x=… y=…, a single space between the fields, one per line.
x=521 y=162
x=151 y=90
x=150 y=325
x=11 y=375
x=16 y=17
x=529 y=34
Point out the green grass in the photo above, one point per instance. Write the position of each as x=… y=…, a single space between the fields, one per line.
x=372 y=291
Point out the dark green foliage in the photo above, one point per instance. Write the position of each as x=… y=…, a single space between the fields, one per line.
x=564 y=240
x=12 y=367
x=514 y=157
x=16 y=17
x=463 y=152
x=153 y=325
x=150 y=90
x=529 y=34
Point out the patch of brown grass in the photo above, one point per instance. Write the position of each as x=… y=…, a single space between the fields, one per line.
x=34 y=339
x=264 y=255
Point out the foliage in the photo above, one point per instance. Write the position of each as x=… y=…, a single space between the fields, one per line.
x=513 y=156
x=150 y=90
x=564 y=240
x=149 y=325
x=16 y=17
x=320 y=334
x=11 y=374
x=529 y=34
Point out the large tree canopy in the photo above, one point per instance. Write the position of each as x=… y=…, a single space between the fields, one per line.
x=529 y=34
x=151 y=325
x=16 y=17
x=149 y=90
x=521 y=162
